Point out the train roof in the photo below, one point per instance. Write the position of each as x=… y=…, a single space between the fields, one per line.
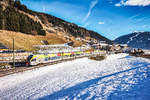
x=52 y=46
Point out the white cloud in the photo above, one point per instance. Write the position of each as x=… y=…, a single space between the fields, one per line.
x=118 y=4
x=133 y=3
x=133 y=17
x=44 y=10
x=101 y=23
x=144 y=26
x=86 y=24
x=92 y=5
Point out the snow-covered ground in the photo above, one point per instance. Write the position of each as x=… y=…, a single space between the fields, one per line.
x=119 y=77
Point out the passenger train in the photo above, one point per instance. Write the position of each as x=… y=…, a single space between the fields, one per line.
x=36 y=59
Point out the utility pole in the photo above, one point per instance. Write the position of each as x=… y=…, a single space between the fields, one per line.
x=3 y=22
x=13 y=53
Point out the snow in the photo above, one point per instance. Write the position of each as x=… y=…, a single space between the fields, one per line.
x=79 y=79
x=132 y=38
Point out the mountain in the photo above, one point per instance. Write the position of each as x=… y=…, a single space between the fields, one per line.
x=135 y=40
x=18 y=18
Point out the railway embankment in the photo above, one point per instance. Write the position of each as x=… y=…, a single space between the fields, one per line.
x=21 y=66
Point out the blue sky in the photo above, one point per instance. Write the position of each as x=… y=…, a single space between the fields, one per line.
x=110 y=18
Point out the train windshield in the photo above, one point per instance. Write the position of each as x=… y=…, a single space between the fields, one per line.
x=29 y=58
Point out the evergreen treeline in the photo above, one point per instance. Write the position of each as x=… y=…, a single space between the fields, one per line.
x=1 y=17
x=13 y=20
x=70 y=28
x=16 y=21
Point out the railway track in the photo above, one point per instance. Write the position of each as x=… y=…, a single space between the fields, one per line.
x=5 y=72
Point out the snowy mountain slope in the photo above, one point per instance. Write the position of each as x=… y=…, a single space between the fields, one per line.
x=132 y=38
x=135 y=40
x=116 y=77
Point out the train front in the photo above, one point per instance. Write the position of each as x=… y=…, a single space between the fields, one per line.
x=28 y=62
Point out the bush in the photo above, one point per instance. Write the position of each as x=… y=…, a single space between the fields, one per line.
x=97 y=58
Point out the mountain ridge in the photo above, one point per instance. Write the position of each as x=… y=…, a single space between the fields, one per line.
x=17 y=17
x=135 y=40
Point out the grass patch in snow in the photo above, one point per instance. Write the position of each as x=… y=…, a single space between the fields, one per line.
x=97 y=57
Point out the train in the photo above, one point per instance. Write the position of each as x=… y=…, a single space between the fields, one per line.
x=36 y=59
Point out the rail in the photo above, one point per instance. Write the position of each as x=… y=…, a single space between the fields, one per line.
x=5 y=72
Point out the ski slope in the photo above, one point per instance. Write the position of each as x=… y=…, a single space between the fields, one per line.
x=132 y=38
x=118 y=77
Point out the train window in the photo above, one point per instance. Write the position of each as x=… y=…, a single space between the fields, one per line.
x=51 y=58
x=54 y=58
x=46 y=59
x=34 y=59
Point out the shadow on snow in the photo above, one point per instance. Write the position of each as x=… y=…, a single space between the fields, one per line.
x=73 y=92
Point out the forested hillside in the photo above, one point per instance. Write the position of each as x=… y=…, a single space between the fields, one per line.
x=135 y=40
x=11 y=19
x=16 y=17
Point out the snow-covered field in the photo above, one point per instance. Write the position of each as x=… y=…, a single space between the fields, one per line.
x=119 y=77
